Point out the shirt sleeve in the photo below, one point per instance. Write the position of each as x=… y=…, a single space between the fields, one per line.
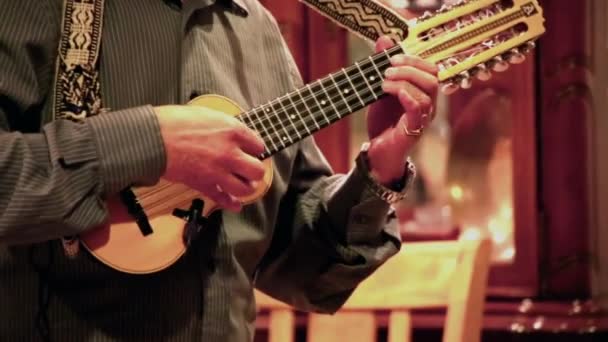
x=54 y=183
x=332 y=233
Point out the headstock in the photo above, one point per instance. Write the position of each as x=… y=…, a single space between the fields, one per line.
x=475 y=37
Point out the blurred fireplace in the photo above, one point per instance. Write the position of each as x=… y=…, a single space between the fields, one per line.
x=511 y=159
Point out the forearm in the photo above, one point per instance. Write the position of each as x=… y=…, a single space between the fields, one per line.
x=54 y=183
x=341 y=234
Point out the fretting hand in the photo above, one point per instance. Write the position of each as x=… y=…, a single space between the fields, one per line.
x=394 y=124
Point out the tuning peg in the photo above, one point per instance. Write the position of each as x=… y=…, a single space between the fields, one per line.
x=425 y=15
x=498 y=64
x=526 y=48
x=444 y=8
x=466 y=83
x=482 y=72
x=464 y=80
x=516 y=57
x=449 y=88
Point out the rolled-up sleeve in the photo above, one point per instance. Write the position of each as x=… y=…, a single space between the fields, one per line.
x=55 y=182
x=341 y=233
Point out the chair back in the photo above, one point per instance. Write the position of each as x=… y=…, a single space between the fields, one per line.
x=451 y=275
x=422 y=275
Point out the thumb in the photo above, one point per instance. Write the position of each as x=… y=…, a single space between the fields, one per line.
x=384 y=43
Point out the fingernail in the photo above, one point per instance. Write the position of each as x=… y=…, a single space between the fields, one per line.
x=397 y=59
x=390 y=72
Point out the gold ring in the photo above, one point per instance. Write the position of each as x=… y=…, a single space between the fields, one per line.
x=414 y=132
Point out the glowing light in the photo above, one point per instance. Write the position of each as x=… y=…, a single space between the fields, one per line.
x=507 y=254
x=499 y=230
x=506 y=212
x=456 y=192
x=471 y=233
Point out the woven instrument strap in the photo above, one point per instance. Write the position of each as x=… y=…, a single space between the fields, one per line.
x=77 y=87
x=368 y=19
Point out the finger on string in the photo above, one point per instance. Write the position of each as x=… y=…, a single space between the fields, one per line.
x=383 y=43
x=411 y=98
x=224 y=199
x=246 y=167
x=416 y=62
x=422 y=80
x=235 y=185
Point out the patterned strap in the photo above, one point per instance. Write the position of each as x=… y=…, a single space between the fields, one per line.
x=77 y=88
x=365 y=18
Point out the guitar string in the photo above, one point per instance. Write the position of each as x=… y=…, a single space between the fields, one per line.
x=370 y=90
x=369 y=68
x=333 y=91
x=275 y=138
x=418 y=43
x=283 y=123
x=368 y=63
x=283 y=113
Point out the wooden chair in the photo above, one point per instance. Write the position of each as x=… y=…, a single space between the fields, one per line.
x=422 y=275
x=281 y=318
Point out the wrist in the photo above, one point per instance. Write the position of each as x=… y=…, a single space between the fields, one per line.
x=386 y=170
x=392 y=191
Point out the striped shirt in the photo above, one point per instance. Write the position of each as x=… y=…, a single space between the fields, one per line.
x=309 y=241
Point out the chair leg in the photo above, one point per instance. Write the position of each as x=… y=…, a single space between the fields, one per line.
x=399 y=326
x=281 y=326
x=342 y=326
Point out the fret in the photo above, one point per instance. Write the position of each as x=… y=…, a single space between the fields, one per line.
x=300 y=109
x=365 y=94
x=364 y=76
x=314 y=104
x=336 y=97
x=310 y=112
x=314 y=94
x=388 y=56
x=284 y=138
x=340 y=91
x=252 y=124
x=355 y=90
x=290 y=116
x=373 y=78
x=266 y=112
x=330 y=100
x=281 y=116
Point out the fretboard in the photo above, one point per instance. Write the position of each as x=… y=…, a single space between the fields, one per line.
x=300 y=113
